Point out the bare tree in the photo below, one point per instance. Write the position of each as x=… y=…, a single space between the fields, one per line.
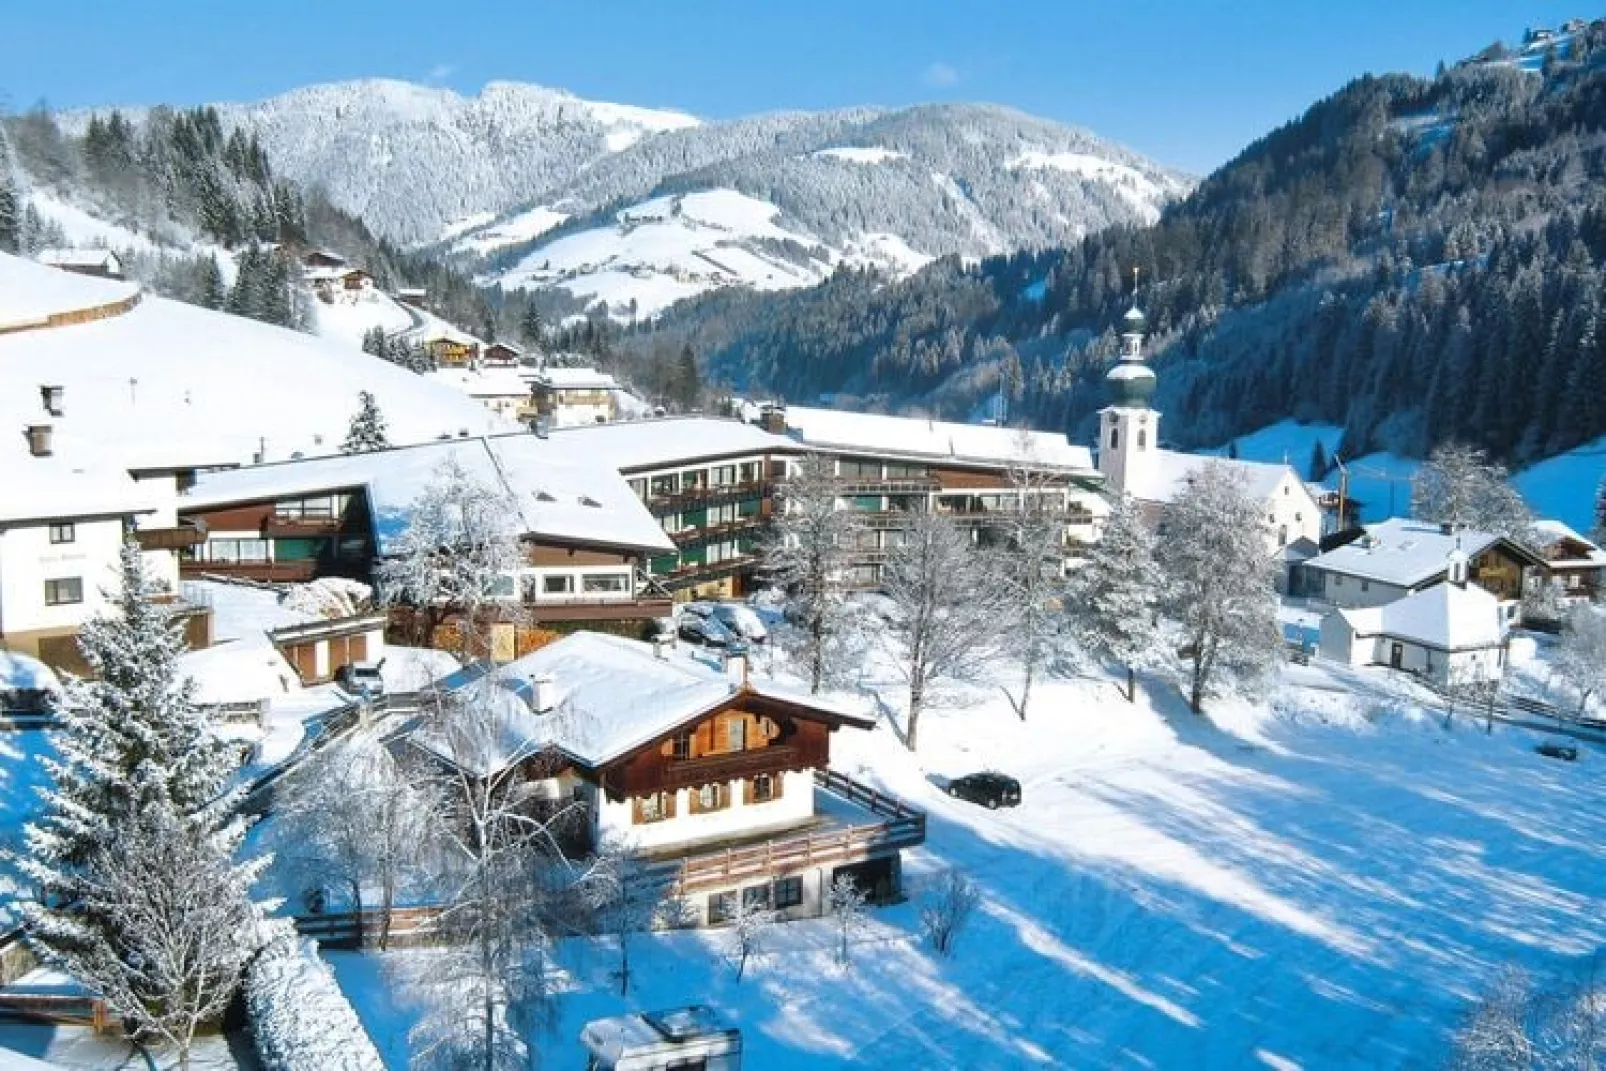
x=807 y=555
x=750 y=924
x=1034 y=574
x=1458 y=485
x=351 y=813
x=1219 y=583
x=1516 y=1024
x=1112 y=596
x=844 y=903
x=1581 y=655
x=459 y=553
x=949 y=607
x=628 y=898
x=946 y=907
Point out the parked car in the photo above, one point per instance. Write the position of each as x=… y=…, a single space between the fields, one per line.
x=1556 y=749
x=988 y=788
x=362 y=678
x=740 y=620
x=706 y=630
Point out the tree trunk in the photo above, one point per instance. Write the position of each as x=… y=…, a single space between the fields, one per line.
x=1026 y=688
x=386 y=909
x=1131 y=684
x=624 y=962
x=1196 y=698
x=356 y=908
x=816 y=653
x=917 y=698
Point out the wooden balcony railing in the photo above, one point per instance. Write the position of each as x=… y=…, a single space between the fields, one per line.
x=184 y=535
x=293 y=527
x=696 y=496
x=681 y=773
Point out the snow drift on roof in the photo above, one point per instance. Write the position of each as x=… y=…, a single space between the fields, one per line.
x=1174 y=470
x=1447 y=616
x=666 y=442
x=1402 y=552
x=934 y=439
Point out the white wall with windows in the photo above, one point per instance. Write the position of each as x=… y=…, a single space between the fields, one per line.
x=712 y=812
x=604 y=583
x=56 y=575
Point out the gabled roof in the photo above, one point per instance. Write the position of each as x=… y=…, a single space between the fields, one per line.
x=1173 y=470
x=1408 y=553
x=79 y=258
x=559 y=378
x=1570 y=549
x=557 y=496
x=1446 y=616
x=613 y=697
x=935 y=440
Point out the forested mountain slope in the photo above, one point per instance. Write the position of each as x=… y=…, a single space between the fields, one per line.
x=1415 y=259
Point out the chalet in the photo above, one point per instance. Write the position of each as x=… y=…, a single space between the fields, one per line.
x=1573 y=566
x=586 y=537
x=501 y=390
x=356 y=280
x=1133 y=462
x=101 y=263
x=1388 y=561
x=502 y=355
x=891 y=465
x=323 y=259
x=708 y=482
x=721 y=778
x=567 y=397
x=446 y=345
x=1450 y=632
x=63 y=518
x=416 y=296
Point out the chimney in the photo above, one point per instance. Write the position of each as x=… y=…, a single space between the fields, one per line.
x=1446 y=528
x=544 y=693
x=773 y=419
x=51 y=395
x=39 y=440
x=736 y=667
x=660 y=648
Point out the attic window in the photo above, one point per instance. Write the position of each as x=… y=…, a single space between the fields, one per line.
x=542 y=496
x=587 y=500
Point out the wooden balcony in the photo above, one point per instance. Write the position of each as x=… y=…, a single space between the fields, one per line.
x=582 y=609
x=691 y=536
x=269 y=572
x=686 y=773
x=705 y=496
x=297 y=527
x=185 y=535
x=895 y=485
x=690 y=575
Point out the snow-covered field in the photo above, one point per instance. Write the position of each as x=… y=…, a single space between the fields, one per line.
x=350 y=316
x=1319 y=881
x=1285 y=442
x=1563 y=487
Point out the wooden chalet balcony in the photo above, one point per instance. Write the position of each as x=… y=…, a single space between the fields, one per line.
x=712 y=495
x=894 y=485
x=685 y=773
x=292 y=527
x=272 y=572
x=900 y=826
x=184 y=535
x=583 y=609
x=688 y=536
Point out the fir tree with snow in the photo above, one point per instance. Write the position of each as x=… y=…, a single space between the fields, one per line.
x=213 y=294
x=1218 y=583
x=10 y=203
x=140 y=897
x=1316 y=471
x=367 y=431
x=1112 y=596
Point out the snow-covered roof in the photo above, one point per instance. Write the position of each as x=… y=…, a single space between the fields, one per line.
x=637 y=445
x=1401 y=552
x=934 y=439
x=432 y=328
x=483 y=382
x=26 y=673
x=73 y=482
x=1548 y=534
x=1173 y=471
x=573 y=379
x=1451 y=617
x=32 y=293
x=557 y=497
x=172 y=385
x=612 y=696
x=79 y=258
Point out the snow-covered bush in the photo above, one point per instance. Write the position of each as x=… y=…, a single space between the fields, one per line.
x=946 y=907
x=299 y=1018
x=330 y=597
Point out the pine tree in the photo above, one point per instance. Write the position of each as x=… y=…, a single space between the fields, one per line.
x=532 y=328
x=214 y=295
x=688 y=382
x=10 y=202
x=1112 y=595
x=367 y=430
x=140 y=897
x=1319 y=463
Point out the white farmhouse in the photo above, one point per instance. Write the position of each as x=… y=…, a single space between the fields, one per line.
x=1132 y=460
x=722 y=778
x=1450 y=632
x=571 y=397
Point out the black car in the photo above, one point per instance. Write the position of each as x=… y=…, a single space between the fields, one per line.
x=991 y=790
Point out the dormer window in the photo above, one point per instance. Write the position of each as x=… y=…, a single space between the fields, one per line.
x=1143 y=438
x=1115 y=438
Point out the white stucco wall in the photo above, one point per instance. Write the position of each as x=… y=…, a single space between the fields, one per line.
x=28 y=559
x=796 y=805
x=1291 y=513
x=1352 y=592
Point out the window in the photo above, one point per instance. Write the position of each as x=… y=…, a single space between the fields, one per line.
x=557 y=585
x=64 y=591
x=655 y=808
x=1282 y=535
x=763 y=788
x=1366 y=585
x=1115 y=438
x=237 y=550
x=721 y=907
x=724 y=475
x=709 y=798
x=605 y=584
x=736 y=733
x=639 y=487
x=680 y=747
x=750 y=471
x=1143 y=438
x=788 y=893
x=756 y=897
x=666 y=485
x=63 y=533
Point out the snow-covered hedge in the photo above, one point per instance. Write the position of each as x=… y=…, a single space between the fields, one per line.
x=299 y=1018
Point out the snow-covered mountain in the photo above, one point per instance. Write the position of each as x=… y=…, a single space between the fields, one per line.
x=540 y=188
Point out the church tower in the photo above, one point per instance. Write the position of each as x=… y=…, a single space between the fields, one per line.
x=1129 y=431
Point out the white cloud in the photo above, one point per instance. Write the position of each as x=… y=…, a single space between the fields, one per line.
x=940 y=75
x=441 y=71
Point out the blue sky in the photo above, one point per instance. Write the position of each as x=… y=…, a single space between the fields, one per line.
x=1189 y=82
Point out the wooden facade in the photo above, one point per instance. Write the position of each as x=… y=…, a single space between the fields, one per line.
x=281 y=540
x=749 y=736
x=1500 y=570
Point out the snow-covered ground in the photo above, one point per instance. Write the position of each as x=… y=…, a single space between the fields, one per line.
x=351 y=315
x=1563 y=487
x=1285 y=442
x=523 y=227
x=1319 y=881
